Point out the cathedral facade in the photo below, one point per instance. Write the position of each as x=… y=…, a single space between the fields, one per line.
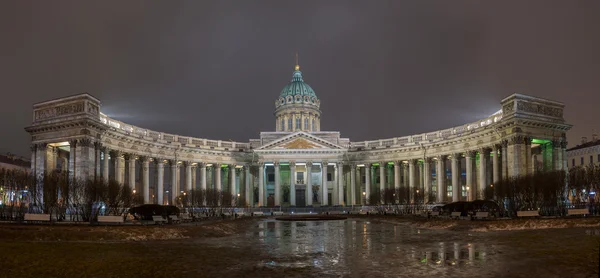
x=298 y=164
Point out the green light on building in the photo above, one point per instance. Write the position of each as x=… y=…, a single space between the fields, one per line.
x=540 y=141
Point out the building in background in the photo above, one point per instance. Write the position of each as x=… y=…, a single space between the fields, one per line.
x=11 y=161
x=586 y=153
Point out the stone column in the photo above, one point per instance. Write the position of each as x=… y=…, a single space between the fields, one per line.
x=324 y=189
x=396 y=175
x=353 y=184
x=218 y=184
x=202 y=176
x=277 y=184
x=426 y=179
x=84 y=159
x=106 y=161
x=309 y=191
x=340 y=183
x=528 y=157
x=456 y=190
x=495 y=164
x=293 y=183
x=484 y=154
x=515 y=148
x=98 y=164
x=261 y=184
x=563 y=158
x=116 y=156
x=441 y=179
x=188 y=176
x=471 y=190
x=194 y=176
x=72 y=158
x=160 y=169
x=174 y=186
x=381 y=179
x=232 y=185
x=145 y=179
x=334 y=196
x=556 y=155
x=247 y=185
x=504 y=159
x=405 y=174
x=34 y=169
x=411 y=180
x=367 y=183
x=131 y=162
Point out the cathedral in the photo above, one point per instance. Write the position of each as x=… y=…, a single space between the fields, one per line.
x=297 y=164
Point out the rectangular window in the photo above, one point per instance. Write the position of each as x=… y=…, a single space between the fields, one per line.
x=306 y=123
x=329 y=177
x=290 y=124
x=300 y=177
x=271 y=178
x=313 y=127
x=573 y=163
x=282 y=127
x=298 y=122
x=582 y=160
x=364 y=179
x=591 y=159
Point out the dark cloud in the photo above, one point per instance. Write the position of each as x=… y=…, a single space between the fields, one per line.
x=381 y=68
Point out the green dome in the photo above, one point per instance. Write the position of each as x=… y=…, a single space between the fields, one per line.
x=297 y=87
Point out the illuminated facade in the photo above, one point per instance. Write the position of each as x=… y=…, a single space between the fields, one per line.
x=298 y=164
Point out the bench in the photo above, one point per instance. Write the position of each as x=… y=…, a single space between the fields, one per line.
x=278 y=213
x=186 y=218
x=110 y=219
x=158 y=219
x=241 y=214
x=354 y=212
x=577 y=212
x=455 y=214
x=528 y=213
x=258 y=213
x=174 y=218
x=335 y=212
x=434 y=214
x=482 y=215
x=37 y=217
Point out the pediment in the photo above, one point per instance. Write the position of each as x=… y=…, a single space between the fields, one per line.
x=299 y=141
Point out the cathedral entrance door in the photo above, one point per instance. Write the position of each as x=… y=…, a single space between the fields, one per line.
x=300 y=197
x=271 y=200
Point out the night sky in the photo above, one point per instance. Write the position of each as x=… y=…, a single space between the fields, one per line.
x=381 y=68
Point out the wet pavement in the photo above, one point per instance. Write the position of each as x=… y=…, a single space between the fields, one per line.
x=363 y=248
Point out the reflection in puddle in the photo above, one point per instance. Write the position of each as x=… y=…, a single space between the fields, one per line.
x=344 y=246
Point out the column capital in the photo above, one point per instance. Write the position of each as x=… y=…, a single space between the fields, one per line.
x=145 y=158
x=441 y=157
x=188 y=163
x=309 y=164
x=172 y=162
x=324 y=162
x=116 y=154
x=556 y=143
x=427 y=159
x=33 y=147
x=72 y=143
x=98 y=145
x=413 y=161
x=563 y=144
x=397 y=163
x=504 y=143
x=484 y=150
x=130 y=156
x=496 y=147
x=340 y=164
x=470 y=153
x=516 y=140
x=276 y=163
x=202 y=164
x=527 y=140
x=292 y=163
x=84 y=142
x=455 y=156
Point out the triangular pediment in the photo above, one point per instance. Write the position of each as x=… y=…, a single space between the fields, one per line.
x=299 y=141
